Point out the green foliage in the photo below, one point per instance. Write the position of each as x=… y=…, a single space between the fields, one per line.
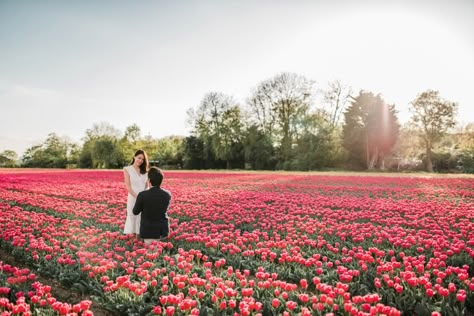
x=218 y=123
x=370 y=131
x=258 y=150
x=106 y=147
x=442 y=161
x=408 y=144
x=315 y=146
x=129 y=142
x=453 y=152
x=85 y=156
x=193 y=149
x=278 y=105
x=169 y=152
x=433 y=116
x=465 y=161
x=55 y=152
x=106 y=153
x=102 y=147
x=312 y=152
x=8 y=158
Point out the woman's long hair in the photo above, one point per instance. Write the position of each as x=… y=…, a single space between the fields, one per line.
x=144 y=165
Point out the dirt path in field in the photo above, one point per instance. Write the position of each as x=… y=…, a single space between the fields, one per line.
x=58 y=291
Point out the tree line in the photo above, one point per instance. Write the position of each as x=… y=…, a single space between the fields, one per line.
x=281 y=126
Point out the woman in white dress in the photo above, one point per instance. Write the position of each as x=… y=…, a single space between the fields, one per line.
x=135 y=176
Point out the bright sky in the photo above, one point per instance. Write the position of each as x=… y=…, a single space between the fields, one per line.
x=65 y=65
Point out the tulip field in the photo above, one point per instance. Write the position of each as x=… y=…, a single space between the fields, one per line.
x=240 y=244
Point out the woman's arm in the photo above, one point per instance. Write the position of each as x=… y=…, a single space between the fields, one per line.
x=128 y=184
x=138 y=207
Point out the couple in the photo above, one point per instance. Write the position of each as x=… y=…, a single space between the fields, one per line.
x=146 y=209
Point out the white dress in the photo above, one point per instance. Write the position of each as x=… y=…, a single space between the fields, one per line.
x=138 y=183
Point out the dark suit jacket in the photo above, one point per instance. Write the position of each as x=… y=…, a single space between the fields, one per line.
x=153 y=205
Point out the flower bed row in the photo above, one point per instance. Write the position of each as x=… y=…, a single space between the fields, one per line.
x=21 y=294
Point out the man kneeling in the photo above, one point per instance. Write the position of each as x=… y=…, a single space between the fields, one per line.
x=153 y=205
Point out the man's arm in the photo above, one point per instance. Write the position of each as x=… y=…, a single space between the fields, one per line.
x=138 y=207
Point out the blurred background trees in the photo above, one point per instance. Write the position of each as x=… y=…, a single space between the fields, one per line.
x=370 y=131
x=8 y=158
x=286 y=123
x=433 y=117
x=102 y=148
x=279 y=107
x=55 y=152
x=217 y=122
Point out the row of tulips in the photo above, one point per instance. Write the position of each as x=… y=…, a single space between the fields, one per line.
x=412 y=253
x=22 y=294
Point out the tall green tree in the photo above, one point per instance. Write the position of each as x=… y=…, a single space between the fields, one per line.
x=258 y=148
x=370 y=131
x=217 y=122
x=85 y=155
x=433 y=116
x=101 y=147
x=193 y=153
x=336 y=98
x=73 y=154
x=169 y=151
x=8 y=158
x=276 y=106
x=314 y=148
x=106 y=153
x=34 y=157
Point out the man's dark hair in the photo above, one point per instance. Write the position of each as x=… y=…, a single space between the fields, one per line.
x=156 y=176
